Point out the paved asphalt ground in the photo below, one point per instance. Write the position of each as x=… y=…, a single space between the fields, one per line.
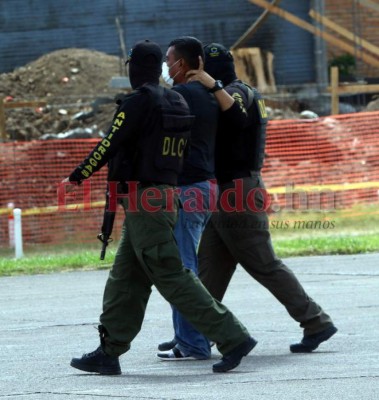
x=47 y=319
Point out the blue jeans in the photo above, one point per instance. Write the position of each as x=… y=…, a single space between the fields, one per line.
x=192 y=218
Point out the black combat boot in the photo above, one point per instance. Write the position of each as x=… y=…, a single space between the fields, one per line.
x=311 y=342
x=232 y=359
x=98 y=361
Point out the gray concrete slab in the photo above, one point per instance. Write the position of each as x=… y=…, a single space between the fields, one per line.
x=47 y=319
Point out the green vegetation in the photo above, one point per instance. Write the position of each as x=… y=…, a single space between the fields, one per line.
x=338 y=244
x=346 y=64
x=336 y=232
x=44 y=260
x=294 y=234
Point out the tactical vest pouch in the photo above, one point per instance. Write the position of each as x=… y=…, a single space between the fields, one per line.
x=174 y=138
x=259 y=107
x=164 y=137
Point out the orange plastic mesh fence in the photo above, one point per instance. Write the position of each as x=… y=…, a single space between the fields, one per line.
x=30 y=173
x=329 y=163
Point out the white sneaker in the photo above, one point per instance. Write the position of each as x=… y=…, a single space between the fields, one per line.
x=174 y=355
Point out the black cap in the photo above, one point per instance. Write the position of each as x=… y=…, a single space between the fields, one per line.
x=145 y=53
x=217 y=52
x=219 y=64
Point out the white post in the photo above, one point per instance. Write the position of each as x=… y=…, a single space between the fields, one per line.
x=18 y=233
x=11 y=225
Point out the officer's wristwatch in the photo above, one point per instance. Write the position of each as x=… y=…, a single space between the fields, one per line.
x=217 y=86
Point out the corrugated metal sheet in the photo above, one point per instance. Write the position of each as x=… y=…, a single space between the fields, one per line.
x=292 y=46
x=30 y=28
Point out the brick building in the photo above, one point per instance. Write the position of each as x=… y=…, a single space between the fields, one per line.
x=361 y=18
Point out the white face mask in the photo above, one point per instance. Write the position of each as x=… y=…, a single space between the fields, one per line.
x=166 y=73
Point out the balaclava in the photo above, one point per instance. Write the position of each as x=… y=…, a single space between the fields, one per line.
x=219 y=63
x=145 y=63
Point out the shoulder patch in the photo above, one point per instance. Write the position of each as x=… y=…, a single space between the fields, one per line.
x=238 y=99
x=262 y=108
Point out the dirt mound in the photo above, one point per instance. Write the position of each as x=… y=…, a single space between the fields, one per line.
x=74 y=83
x=71 y=81
x=373 y=105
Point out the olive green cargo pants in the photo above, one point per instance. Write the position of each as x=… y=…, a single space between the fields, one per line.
x=243 y=237
x=147 y=255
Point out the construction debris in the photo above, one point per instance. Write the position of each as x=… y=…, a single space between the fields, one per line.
x=74 y=84
x=76 y=98
x=255 y=67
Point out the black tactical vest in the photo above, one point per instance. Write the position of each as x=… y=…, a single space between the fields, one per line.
x=250 y=148
x=163 y=137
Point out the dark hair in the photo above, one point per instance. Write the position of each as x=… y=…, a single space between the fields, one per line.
x=189 y=48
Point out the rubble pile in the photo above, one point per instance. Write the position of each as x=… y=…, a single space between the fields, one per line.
x=74 y=83
x=373 y=105
x=75 y=86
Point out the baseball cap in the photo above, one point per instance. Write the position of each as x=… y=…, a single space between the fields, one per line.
x=217 y=52
x=145 y=53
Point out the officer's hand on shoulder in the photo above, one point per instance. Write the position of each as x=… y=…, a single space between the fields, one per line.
x=201 y=76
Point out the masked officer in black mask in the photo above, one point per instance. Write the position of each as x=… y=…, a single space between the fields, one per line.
x=145 y=144
x=239 y=232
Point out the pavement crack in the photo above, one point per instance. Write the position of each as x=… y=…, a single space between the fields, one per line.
x=334 y=378
x=31 y=328
x=337 y=274
x=92 y=395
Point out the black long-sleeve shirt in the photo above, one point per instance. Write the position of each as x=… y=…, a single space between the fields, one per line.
x=120 y=136
x=199 y=163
